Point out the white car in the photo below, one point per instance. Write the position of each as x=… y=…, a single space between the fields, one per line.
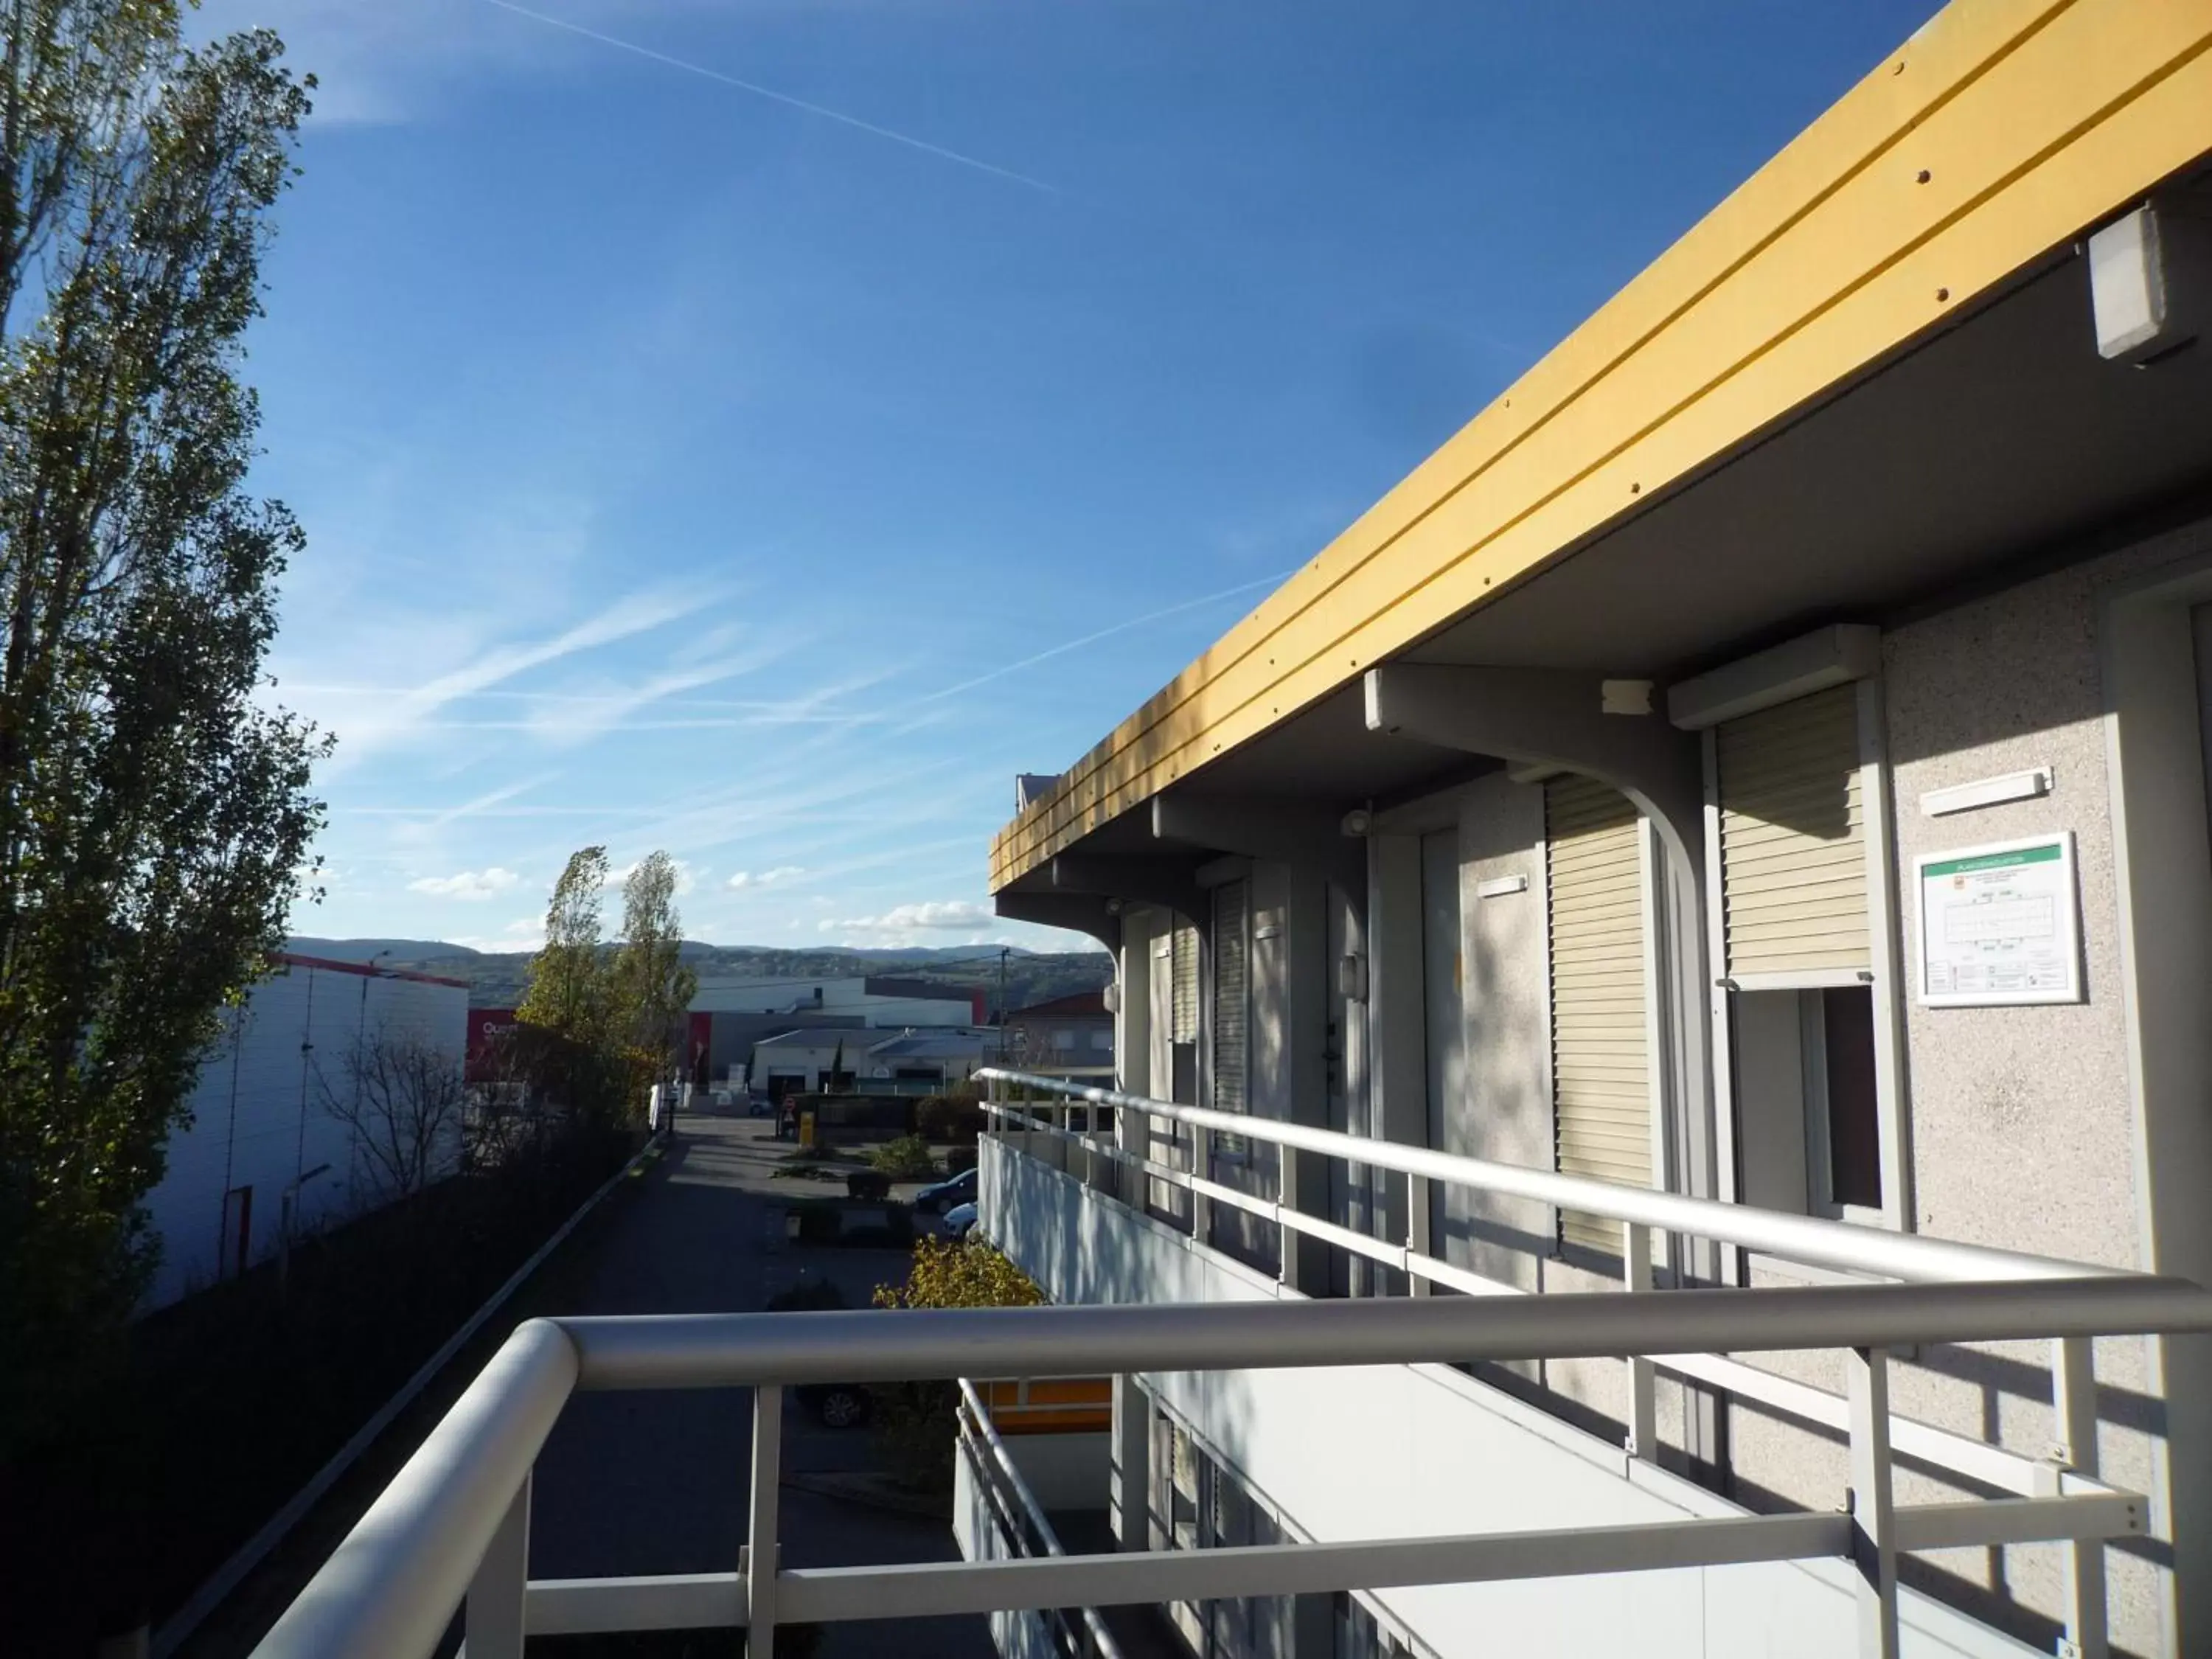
x=960 y=1220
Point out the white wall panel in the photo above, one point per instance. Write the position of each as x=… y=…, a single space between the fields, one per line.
x=259 y=1117
x=1395 y=1451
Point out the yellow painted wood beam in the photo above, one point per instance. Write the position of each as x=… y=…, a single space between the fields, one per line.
x=2001 y=131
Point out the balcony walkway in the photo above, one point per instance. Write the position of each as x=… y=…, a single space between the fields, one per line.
x=656 y=1482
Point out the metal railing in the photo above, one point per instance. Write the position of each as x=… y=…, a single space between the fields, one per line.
x=1022 y=1521
x=451 y=1530
x=1913 y=1265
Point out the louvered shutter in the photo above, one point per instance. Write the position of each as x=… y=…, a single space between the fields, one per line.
x=1600 y=1063
x=1232 y=959
x=1183 y=967
x=1793 y=837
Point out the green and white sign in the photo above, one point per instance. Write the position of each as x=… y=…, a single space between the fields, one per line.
x=1997 y=924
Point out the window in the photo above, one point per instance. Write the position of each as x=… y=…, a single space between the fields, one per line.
x=1806 y=1104
x=1231 y=1037
x=1182 y=946
x=1102 y=1041
x=1063 y=1040
x=1798 y=797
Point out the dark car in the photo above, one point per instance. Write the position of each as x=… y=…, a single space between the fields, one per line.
x=839 y=1405
x=946 y=1194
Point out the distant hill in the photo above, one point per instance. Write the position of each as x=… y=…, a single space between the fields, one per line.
x=496 y=980
x=400 y=952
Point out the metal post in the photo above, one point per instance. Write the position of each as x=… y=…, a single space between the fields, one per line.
x=1286 y=1194
x=1417 y=1228
x=1643 y=1413
x=494 y=1618
x=1873 y=1521
x=760 y=1532
x=1201 y=1165
x=2073 y=1426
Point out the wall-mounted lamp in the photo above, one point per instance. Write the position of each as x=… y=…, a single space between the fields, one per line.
x=2150 y=283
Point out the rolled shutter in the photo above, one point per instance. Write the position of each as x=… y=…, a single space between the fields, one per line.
x=1793 y=837
x=1600 y=1060
x=1232 y=957
x=1183 y=968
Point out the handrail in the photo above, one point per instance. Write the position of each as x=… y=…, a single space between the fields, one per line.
x=437 y=1532
x=718 y=1351
x=1815 y=1240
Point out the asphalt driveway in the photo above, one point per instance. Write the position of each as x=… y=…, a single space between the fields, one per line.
x=657 y=1483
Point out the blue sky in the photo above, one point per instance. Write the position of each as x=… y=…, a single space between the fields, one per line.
x=762 y=437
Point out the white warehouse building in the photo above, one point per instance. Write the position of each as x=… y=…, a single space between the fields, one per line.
x=261 y=1139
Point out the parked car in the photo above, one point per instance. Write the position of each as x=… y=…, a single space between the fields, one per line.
x=944 y=1195
x=960 y=1221
x=839 y=1405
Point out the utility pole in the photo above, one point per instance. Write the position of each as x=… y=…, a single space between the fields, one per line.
x=1003 y=952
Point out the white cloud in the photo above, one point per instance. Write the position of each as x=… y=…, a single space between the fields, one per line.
x=745 y=878
x=469 y=885
x=912 y=918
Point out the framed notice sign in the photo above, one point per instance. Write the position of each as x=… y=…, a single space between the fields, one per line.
x=1997 y=924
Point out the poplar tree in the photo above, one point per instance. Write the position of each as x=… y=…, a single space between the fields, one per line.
x=154 y=810
x=652 y=989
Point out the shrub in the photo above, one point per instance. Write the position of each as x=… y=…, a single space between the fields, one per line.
x=958 y=1158
x=914 y=1421
x=868 y=1183
x=906 y=1159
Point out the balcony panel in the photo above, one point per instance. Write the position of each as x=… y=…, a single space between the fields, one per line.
x=1369 y=1452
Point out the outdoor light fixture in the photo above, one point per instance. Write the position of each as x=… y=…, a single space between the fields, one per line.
x=2149 y=273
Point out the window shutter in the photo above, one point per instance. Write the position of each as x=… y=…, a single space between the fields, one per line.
x=1793 y=837
x=1600 y=1075
x=1184 y=976
x=1232 y=959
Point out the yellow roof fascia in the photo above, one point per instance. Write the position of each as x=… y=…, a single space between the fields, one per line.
x=2002 y=128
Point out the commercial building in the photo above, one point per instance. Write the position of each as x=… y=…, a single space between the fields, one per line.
x=263 y=1149
x=729 y=1015
x=911 y=1061
x=1761 y=757
x=1070 y=1035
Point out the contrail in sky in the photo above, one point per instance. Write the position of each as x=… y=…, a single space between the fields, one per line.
x=759 y=91
x=1103 y=634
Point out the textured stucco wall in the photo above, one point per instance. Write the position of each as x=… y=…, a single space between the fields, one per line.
x=2021 y=1118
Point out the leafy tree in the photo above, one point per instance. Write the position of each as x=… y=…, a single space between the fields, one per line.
x=569 y=990
x=616 y=1017
x=652 y=988
x=154 y=813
